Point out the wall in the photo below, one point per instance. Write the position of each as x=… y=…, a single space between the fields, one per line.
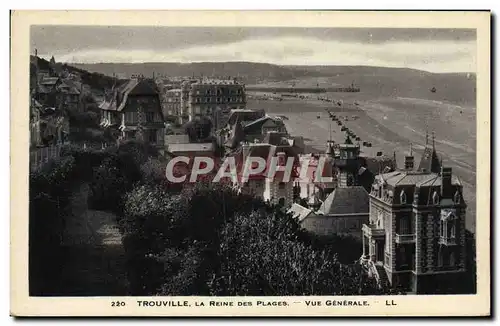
x=327 y=225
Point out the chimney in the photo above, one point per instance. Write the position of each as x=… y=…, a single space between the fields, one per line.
x=409 y=160
x=446 y=189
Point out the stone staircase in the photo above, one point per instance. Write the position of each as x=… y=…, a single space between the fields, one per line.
x=382 y=278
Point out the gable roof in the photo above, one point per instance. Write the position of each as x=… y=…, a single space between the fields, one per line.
x=118 y=101
x=346 y=201
x=300 y=212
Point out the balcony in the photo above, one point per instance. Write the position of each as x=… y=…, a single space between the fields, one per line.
x=405 y=238
x=447 y=241
x=370 y=230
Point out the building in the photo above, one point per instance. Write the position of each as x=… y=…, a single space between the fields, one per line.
x=191 y=150
x=310 y=190
x=344 y=211
x=415 y=237
x=214 y=99
x=70 y=95
x=171 y=104
x=277 y=189
x=259 y=128
x=355 y=169
x=134 y=108
x=300 y=213
x=244 y=116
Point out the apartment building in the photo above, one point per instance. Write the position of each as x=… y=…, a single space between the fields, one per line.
x=415 y=237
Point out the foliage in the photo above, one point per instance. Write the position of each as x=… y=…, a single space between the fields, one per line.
x=210 y=240
x=198 y=129
x=50 y=189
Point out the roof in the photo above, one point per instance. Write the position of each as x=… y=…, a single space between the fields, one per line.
x=238 y=135
x=300 y=212
x=346 y=201
x=176 y=139
x=191 y=147
x=132 y=87
x=429 y=161
x=276 y=138
x=376 y=164
x=419 y=179
x=244 y=115
x=49 y=80
x=258 y=123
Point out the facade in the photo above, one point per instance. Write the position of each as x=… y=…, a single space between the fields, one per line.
x=70 y=96
x=171 y=102
x=260 y=128
x=276 y=190
x=215 y=99
x=415 y=237
x=190 y=98
x=134 y=108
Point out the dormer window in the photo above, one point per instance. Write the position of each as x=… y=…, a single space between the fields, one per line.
x=402 y=197
x=456 y=198
x=435 y=198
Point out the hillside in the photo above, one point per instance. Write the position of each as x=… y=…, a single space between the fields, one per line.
x=457 y=88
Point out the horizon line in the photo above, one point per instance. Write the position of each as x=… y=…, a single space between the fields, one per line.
x=259 y=62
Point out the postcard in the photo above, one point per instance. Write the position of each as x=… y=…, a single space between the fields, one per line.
x=250 y=163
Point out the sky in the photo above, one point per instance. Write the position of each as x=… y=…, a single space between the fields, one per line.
x=434 y=50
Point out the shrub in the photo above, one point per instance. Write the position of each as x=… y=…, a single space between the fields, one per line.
x=50 y=190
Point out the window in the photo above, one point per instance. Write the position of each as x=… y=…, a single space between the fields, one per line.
x=152 y=136
x=451 y=229
x=402 y=197
x=440 y=257
x=452 y=259
x=150 y=116
x=197 y=92
x=404 y=227
x=218 y=100
x=281 y=202
x=282 y=185
x=456 y=198
x=435 y=198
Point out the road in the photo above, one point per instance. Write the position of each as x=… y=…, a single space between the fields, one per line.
x=96 y=259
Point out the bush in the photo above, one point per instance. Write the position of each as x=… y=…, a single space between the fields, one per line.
x=209 y=240
x=49 y=197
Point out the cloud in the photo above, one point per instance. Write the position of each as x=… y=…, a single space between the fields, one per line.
x=434 y=56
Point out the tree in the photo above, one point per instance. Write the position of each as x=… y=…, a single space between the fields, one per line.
x=198 y=129
x=210 y=240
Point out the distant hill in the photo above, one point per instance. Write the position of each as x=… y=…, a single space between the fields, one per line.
x=457 y=88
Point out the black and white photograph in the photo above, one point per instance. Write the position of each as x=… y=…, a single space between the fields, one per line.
x=252 y=161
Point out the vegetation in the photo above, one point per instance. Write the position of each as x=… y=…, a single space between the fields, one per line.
x=50 y=190
x=213 y=241
x=198 y=129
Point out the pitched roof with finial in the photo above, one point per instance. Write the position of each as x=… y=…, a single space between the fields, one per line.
x=430 y=161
